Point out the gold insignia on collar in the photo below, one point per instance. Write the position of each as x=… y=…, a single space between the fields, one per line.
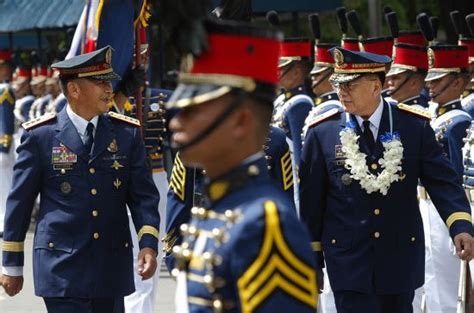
x=113 y=147
x=431 y=58
x=117 y=183
x=218 y=189
x=338 y=57
x=116 y=165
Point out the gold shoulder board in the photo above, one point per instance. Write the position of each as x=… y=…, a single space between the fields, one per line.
x=417 y=110
x=124 y=118
x=322 y=117
x=38 y=121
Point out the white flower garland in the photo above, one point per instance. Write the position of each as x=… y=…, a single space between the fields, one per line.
x=356 y=161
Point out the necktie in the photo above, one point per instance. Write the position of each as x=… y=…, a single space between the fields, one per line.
x=369 y=137
x=89 y=138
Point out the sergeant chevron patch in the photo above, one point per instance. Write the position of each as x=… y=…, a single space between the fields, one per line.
x=276 y=267
x=286 y=170
x=178 y=178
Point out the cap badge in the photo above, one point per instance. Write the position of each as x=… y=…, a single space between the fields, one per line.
x=338 y=57
x=431 y=58
x=108 y=56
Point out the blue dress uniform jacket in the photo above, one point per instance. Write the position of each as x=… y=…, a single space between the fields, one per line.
x=187 y=187
x=450 y=128
x=249 y=252
x=468 y=103
x=290 y=116
x=82 y=244
x=468 y=160
x=374 y=243
x=7 y=118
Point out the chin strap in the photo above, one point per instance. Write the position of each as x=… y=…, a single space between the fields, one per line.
x=215 y=124
x=444 y=88
x=390 y=93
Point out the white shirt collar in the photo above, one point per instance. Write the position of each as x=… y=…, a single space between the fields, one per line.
x=80 y=123
x=374 y=119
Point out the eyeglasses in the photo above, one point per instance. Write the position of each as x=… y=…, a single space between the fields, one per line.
x=349 y=86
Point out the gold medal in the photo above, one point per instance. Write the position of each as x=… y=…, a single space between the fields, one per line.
x=346 y=179
x=65 y=187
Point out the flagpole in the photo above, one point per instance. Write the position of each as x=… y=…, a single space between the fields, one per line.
x=138 y=63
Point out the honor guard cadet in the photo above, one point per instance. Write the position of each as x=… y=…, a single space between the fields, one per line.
x=407 y=73
x=7 y=128
x=359 y=174
x=23 y=96
x=245 y=251
x=446 y=79
x=187 y=187
x=323 y=67
x=88 y=167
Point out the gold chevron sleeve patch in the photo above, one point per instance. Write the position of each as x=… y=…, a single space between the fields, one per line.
x=276 y=267
x=6 y=95
x=286 y=170
x=178 y=178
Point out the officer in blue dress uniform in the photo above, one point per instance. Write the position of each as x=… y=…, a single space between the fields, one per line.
x=88 y=167
x=187 y=188
x=7 y=128
x=360 y=201
x=407 y=73
x=244 y=250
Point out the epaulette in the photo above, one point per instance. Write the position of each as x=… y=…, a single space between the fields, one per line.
x=417 y=110
x=38 y=121
x=124 y=118
x=322 y=117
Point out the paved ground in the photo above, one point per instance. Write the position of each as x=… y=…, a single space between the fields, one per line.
x=27 y=302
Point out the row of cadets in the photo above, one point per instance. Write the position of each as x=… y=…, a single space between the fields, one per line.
x=57 y=100
x=468 y=95
x=39 y=75
x=446 y=79
x=294 y=103
x=7 y=129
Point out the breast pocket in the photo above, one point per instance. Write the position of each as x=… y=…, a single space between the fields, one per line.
x=65 y=185
x=340 y=177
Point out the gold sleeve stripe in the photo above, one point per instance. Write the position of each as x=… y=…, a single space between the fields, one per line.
x=286 y=170
x=147 y=229
x=13 y=246
x=316 y=245
x=263 y=277
x=178 y=178
x=457 y=217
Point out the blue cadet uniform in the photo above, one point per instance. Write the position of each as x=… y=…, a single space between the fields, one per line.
x=371 y=230
x=82 y=220
x=22 y=108
x=291 y=109
x=7 y=117
x=244 y=249
x=324 y=103
x=187 y=188
x=468 y=160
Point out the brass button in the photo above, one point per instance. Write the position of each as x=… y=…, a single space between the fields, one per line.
x=374 y=166
x=94 y=191
x=413 y=239
x=376 y=234
x=96 y=235
x=92 y=170
x=51 y=245
x=333 y=241
x=126 y=245
x=63 y=171
x=95 y=213
x=377 y=212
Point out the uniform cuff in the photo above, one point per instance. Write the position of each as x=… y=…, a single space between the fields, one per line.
x=459 y=222
x=12 y=270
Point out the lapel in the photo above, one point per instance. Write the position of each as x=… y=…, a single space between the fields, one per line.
x=67 y=134
x=384 y=127
x=103 y=136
